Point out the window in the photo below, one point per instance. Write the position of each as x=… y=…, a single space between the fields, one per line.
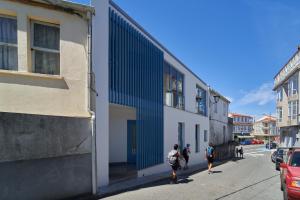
x=8 y=43
x=295 y=109
x=197 y=142
x=216 y=107
x=205 y=136
x=224 y=134
x=279 y=94
x=173 y=87
x=201 y=100
x=293 y=86
x=181 y=135
x=279 y=114
x=45 y=48
x=290 y=110
x=224 y=109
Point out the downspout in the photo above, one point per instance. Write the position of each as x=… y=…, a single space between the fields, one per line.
x=93 y=115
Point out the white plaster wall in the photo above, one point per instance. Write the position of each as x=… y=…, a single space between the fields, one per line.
x=173 y=116
x=62 y=95
x=218 y=121
x=118 y=116
x=100 y=67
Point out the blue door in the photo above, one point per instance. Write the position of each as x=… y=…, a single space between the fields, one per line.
x=131 y=141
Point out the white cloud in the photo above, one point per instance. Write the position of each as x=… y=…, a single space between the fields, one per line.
x=259 y=96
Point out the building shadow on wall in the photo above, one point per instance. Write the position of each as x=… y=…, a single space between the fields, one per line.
x=38 y=81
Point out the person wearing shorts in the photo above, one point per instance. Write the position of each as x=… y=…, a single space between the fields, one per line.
x=174 y=162
x=209 y=153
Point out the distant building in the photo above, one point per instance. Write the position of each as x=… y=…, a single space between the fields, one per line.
x=265 y=128
x=242 y=125
x=218 y=118
x=286 y=84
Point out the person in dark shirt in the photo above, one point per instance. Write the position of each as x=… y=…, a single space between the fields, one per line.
x=185 y=153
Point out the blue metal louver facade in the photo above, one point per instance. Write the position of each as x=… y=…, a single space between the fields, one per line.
x=136 y=80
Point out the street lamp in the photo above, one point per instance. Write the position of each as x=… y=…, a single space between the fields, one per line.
x=216 y=98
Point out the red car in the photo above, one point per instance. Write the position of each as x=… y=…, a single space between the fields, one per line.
x=290 y=176
x=254 y=142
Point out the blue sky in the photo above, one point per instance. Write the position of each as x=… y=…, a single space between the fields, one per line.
x=236 y=47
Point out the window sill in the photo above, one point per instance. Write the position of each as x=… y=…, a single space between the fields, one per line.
x=30 y=74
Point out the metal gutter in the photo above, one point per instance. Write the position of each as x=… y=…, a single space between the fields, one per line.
x=115 y=6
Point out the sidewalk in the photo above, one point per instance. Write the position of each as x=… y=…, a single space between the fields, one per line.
x=142 y=181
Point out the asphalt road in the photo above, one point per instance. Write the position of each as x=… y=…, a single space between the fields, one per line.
x=253 y=177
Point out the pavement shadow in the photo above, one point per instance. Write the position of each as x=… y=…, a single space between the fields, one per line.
x=236 y=159
x=216 y=172
x=184 y=180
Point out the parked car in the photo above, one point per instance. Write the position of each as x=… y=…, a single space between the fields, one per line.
x=260 y=142
x=271 y=145
x=290 y=173
x=254 y=142
x=280 y=157
x=274 y=156
x=245 y=142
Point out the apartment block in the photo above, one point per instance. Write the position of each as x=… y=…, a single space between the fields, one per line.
x=266 y=129
x=242 y=125
x=286 y=85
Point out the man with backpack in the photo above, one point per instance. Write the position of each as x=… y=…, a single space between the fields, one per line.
x=209 y=153
x=173 y=158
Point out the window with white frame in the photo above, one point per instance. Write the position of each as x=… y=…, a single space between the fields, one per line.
x=289 y=109
x=8 y=43
x=293 y=86
x=295 y=109
x=279 y=114
x=45 y=45
x=279 y=94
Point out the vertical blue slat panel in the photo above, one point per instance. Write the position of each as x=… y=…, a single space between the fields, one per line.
x=136 y=79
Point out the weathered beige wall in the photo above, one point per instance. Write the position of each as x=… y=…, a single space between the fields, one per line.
x=26 y=92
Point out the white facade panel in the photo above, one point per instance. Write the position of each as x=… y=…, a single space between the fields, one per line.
x=118 y=116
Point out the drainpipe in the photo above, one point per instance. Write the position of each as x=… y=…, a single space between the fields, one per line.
x=93 y=115
x=94 y=174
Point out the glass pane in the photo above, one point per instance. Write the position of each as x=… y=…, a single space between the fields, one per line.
x=8 y=30
x=8 y=58
x=46 y=36
x=47 y=63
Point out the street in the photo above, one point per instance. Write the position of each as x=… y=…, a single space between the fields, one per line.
x=253 y=177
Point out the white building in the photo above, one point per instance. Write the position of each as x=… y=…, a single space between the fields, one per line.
x=218 y=119
x=147 y=101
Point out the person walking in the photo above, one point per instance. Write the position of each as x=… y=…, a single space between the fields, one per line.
x=242 y=152
x=237 y=152
x=210 y=154
x=173 y=158
x=185 y=153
